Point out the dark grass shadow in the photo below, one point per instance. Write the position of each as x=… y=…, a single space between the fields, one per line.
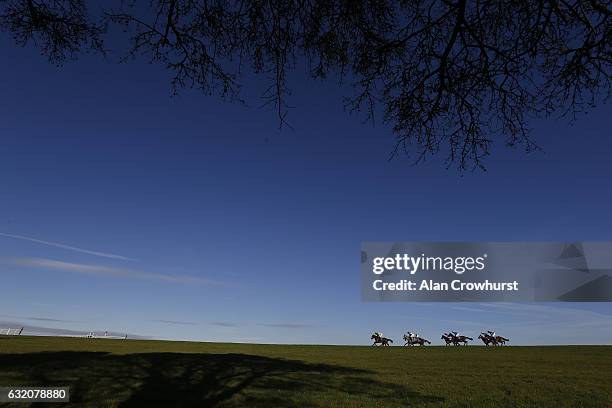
x=202 y=380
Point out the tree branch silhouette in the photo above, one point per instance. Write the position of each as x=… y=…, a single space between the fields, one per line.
x=60 y=28
x=447 y=76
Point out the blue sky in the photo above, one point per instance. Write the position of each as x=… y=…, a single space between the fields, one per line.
x=124 y=209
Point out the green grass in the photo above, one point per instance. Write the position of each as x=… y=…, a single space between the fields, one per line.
x=111 y=373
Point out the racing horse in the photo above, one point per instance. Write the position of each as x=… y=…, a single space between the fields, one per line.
x=447 y=338
x=411 y=341
x=383 y=341
x=450 y=338
x=461 y=339
x=501 y=340
x=487 y=339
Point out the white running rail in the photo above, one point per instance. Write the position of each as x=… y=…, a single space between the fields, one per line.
x=92 y=335
x=11 y=331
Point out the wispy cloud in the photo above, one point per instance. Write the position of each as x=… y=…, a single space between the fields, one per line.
x=48 y=319
x=107 y=271
x=40 y=319
x=67 y=247
x=287 y=325
x=224 y=324
x=176 y=322
x=467 y=308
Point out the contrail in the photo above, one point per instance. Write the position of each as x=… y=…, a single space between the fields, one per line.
x=68 y=247
x=108 y=271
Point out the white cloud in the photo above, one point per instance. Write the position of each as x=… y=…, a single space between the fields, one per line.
x=175 y=322
x=466 y=308
x=67 y=247
x=108 y=271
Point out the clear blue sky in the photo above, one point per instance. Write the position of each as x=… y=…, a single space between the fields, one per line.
x=192 y=218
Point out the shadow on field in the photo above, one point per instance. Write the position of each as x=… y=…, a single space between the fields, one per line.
x=204 y=380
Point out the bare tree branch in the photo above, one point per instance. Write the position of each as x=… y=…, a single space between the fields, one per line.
x=60 y=28
x=450 y=76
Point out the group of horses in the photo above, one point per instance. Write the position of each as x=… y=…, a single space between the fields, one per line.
x=409 y=340
x=490 y=340
x=455 y=339
x=449 y=338
x=414 y=340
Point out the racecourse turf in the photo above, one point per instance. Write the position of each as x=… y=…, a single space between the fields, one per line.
x=113 y=373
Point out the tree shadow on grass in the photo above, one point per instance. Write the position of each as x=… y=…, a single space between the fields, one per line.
x=202 y=380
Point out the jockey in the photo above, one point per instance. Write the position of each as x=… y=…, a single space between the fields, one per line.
x=413 y=335
x=377 y=334
x=453 y=334
x=491 y=333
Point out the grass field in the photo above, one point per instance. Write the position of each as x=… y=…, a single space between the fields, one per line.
x=109 y=373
